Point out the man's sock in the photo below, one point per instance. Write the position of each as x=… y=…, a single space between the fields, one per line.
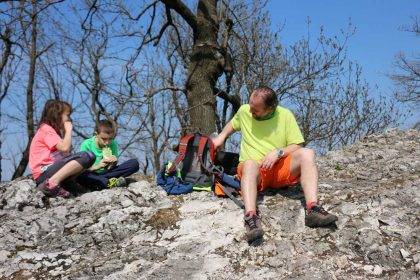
x=251 y=213
x=311 y=204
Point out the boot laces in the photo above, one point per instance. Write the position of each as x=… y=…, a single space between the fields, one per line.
x=252 y=222
x=318 y=209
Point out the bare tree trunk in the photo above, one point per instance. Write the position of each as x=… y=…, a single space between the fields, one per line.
x=204 y=69
x=29 y=95
x=7 y=48
x=4 y=58
x=207 y=61
x=154 y=135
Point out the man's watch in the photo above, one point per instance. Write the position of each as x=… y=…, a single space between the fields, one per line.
x=280 y=153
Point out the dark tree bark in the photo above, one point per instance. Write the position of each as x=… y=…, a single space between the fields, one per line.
x=33 y=55
x=207 y=58
x=204 y=69
x=7 y=50
x=5 y=37
x=207 y=63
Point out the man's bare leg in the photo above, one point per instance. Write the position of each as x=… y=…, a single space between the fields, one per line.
x=303 y=164
x=249 y=181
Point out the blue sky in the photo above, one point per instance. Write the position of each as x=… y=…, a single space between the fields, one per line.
x=377 y=40
x=378 y=37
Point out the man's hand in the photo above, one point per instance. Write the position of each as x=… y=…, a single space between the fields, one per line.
x=218 y=141
x=221 y=137
x=269 y=160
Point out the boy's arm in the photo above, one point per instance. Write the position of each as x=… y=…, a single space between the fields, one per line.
x=85 y=148
x=112 y=160
x=98 y=166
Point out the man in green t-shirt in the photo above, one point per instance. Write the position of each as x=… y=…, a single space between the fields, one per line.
x=271 y=156
x=105 y=173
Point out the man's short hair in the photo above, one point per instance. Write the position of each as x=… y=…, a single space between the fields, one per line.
x=105 y=126
x=268 y=96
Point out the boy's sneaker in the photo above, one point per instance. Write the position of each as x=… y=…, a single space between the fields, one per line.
x=318 y=217
x=53 y=192
x=254 y=231
x=116 y=182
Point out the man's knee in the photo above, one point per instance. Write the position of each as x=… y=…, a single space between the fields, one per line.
x=250 y=168
x=251 y=164
x=304 y=155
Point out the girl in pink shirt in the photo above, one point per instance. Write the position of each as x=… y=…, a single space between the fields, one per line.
x=50 y=159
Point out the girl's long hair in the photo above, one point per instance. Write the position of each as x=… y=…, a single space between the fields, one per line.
x=52 y=114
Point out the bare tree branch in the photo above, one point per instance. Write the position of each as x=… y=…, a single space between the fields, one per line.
x=183 y=11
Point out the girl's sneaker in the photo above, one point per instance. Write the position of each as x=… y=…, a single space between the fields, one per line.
x=54 y=191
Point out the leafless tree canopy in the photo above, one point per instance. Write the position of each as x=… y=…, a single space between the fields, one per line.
x=407 y=71
x=161 y=68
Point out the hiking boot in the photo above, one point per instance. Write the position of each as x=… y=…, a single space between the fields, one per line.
x=318 y=217
x=53 y=192
x=254 y=232
x=117 y=182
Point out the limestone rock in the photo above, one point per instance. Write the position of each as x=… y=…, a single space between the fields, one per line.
x=139 y=232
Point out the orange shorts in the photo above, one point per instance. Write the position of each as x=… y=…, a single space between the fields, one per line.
x=277 y=177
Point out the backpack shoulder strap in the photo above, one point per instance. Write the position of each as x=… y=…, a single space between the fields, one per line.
x=202 y=145
x=182 y=149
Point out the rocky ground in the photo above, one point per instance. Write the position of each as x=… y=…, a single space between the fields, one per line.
x=140 y=233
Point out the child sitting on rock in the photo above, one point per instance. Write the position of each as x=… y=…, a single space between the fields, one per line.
x=51 y=163
x=105 y=173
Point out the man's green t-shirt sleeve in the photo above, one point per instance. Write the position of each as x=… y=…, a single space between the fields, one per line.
x=294 y=135
x=236 y=120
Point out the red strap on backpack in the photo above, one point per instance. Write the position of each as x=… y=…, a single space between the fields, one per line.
x=201 y=146
x=182 y=148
